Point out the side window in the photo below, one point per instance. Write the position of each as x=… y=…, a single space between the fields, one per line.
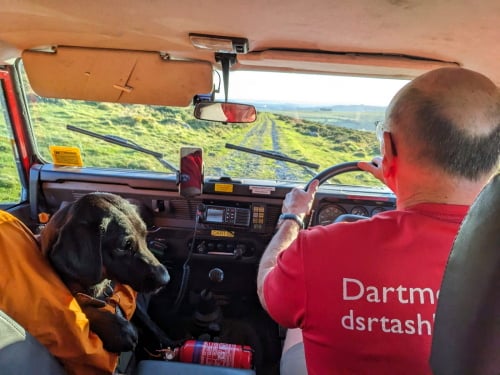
x=10 y=183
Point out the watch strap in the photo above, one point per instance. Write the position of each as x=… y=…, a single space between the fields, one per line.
x=293 y=217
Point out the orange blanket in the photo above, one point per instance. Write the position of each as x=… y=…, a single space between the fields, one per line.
x=33 y=295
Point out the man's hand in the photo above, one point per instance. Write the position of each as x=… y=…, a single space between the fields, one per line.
x=374 y=167
x=299 y=201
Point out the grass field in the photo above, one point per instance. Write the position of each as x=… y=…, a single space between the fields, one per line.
x=323 y=137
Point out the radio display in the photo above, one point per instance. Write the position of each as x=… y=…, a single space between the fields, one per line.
x=215 y=215
x=227 y=215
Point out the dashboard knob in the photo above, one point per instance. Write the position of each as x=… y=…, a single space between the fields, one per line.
x=202 y=248
x=216 y=275
x=239 y=251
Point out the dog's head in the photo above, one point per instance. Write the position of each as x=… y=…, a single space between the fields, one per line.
x=100 y=236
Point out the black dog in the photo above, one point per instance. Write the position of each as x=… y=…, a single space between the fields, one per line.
x=95 y=240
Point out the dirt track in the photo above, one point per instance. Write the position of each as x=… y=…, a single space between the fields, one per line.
x=263 y=135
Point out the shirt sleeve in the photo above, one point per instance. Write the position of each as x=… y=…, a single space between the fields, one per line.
x=125 y=297
x=284 y=287
x=40 y=302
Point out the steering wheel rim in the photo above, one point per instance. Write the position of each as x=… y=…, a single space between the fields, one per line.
x=328 y=173
x=334 y=170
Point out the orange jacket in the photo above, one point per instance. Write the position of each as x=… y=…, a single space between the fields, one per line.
x=33 y=295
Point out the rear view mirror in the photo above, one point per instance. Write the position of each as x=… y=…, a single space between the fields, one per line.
x=225 y=112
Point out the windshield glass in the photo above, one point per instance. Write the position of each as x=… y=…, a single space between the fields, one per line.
x=317 y=119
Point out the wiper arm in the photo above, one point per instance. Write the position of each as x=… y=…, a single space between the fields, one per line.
x=125 y=143
x=273 y=155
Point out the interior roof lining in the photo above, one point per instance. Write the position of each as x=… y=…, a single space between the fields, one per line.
x=465 y=32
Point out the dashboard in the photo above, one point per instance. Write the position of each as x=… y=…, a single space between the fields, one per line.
x=227 y=227
x=226 y=210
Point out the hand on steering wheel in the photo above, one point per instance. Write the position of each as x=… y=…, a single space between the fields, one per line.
x=299 y=201
x=373 y=168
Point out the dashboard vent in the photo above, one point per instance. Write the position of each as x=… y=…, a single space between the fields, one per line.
x=184 y=209
x=273 y=212
x=242 y=217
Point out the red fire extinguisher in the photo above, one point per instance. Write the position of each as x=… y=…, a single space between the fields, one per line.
x=216 y=354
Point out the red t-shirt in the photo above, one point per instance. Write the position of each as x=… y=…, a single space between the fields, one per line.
x=365 y=293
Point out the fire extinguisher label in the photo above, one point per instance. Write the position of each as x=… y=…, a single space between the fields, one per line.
x=218 y=354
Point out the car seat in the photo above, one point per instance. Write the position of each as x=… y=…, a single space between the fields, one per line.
x=21 y=353
x=150 y=367
x=466 y=337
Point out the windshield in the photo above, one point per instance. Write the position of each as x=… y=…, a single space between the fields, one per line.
x=318 y=120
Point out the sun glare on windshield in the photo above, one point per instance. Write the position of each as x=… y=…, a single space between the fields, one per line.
x=319 y=89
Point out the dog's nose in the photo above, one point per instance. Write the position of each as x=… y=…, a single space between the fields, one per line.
x=157 y=278
x=164 y=276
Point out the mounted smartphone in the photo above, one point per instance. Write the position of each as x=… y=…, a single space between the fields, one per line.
x=191 y=171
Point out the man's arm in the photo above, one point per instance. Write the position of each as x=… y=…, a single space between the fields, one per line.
x=285 y=235
x=296 y=202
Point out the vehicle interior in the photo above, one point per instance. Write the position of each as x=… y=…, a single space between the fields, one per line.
x=205 y=115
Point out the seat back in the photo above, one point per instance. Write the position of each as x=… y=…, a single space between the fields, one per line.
x=21 y=353
x=149 y=367
x=466 y=337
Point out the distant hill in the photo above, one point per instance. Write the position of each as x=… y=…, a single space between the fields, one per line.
x=270 y=106
x=358 y=117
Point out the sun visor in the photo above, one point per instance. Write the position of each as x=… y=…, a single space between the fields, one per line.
x=362 y=64
x=118 y=76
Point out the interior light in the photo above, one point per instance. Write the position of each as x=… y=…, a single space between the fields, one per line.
x=220 y=44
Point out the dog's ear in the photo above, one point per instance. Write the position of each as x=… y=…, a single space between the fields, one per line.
x=72 y=242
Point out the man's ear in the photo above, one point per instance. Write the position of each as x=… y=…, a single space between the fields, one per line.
x=389 y=156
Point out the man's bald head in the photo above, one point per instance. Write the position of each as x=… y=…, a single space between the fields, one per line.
x=448 y=118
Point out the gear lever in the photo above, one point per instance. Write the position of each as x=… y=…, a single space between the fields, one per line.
x=208 y=315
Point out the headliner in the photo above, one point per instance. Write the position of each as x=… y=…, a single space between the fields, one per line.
x=465 y=32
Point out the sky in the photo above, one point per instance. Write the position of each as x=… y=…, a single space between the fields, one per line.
x=309 y=88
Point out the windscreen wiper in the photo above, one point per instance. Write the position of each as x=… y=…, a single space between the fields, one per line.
x=273 y=155
x=125 y=143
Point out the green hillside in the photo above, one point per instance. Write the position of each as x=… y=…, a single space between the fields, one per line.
x=165 y=130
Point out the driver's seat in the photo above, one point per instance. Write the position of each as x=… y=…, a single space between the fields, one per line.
x=466 y=337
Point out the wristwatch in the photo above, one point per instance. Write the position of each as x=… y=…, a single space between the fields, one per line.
x=293 y=217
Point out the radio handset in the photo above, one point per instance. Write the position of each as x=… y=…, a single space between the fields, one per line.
x=191 y=172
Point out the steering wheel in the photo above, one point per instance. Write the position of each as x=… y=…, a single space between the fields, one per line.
x=333 y=171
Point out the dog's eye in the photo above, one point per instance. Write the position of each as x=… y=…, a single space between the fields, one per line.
x=128 y=245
